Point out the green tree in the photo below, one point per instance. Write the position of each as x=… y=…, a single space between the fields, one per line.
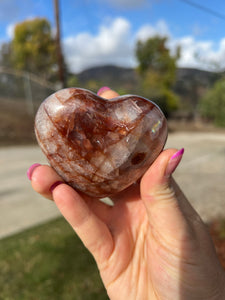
x=157 y=70
x=72 y=80
x=33 y=48
x=212 y=104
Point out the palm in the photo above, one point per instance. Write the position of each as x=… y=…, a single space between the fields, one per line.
x=140 y=247
x=142 y=261
x=128 y=224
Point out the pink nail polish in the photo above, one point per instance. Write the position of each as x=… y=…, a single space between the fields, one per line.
x=174 y=162
x=103 y=89
x=31 y=169
x=177 y=154
x=55 y=185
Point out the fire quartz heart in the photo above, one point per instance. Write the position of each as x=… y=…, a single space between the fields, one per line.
x=99 y=146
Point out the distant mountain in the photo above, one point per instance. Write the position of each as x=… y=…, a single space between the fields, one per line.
x=118 y=76
x=190 y=84
x=110 y=75
x=205 y=77
x=187 y=78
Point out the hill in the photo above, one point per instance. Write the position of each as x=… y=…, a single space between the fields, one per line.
x=190 y=84
x=117 y=76
x=113 y=76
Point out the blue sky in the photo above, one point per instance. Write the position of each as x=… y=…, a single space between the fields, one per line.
x=99 y=32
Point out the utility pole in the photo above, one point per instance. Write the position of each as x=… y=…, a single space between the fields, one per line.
x=58 y=45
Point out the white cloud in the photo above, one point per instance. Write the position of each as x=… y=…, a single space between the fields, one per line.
x=147 y=31
x=217 y=56
x=110 y=46
x=10 y=30
x=115 y=44
x=191 y=49
x=194 y=53
x=200 y=54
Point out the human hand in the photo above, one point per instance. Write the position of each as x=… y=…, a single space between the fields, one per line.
x=151 y=244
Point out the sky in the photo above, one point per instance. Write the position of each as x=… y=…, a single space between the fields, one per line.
x=105 y=32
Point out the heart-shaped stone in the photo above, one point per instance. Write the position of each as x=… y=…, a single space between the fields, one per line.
x=99 y=146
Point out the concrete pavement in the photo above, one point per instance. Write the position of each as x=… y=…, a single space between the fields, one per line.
x=20 y=206
x=201 y=175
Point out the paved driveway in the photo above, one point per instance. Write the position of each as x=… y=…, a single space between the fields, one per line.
x=201 y=175
x=20 y=207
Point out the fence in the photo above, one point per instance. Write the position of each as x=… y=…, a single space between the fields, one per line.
x=21 y=93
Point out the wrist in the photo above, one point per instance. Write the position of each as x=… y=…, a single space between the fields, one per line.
x=221 y=289
x=223 y=285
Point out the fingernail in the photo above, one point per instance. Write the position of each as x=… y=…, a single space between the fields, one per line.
x=55 y=185
x=31 y=170
x=174 y=162
x=103 y=89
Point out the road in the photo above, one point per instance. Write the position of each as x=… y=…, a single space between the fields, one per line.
x=20 y=206
x=201 y=175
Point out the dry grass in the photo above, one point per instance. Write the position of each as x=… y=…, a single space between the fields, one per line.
x=16 y=126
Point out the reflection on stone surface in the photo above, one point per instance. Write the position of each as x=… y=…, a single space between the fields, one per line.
x=99 y=146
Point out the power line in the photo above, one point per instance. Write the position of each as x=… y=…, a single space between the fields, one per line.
x=205 y=9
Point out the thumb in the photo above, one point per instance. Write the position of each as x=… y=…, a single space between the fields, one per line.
x=158 y=175
x=160 y=196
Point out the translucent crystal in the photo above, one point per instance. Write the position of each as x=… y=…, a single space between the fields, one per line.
x=99 y=147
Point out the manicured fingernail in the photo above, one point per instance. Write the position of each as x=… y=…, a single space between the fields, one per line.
x=103 y=89
x=31 y=170
x=174 y=162
x=55 y=185
x=177 y=154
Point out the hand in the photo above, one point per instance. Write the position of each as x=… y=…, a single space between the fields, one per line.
x=151 y=244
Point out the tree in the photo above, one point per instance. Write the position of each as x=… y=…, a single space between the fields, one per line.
x=33 y=48
x=157 y=69
x=212 y=104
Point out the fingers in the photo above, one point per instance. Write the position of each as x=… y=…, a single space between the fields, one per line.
x=91 y=229
x=43 y=179
x=159 y=172
x=162 y=200
x=156 y=190
x=107 y=93
x=93 y=232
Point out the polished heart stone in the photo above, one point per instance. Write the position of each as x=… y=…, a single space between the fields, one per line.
x=99 y=146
